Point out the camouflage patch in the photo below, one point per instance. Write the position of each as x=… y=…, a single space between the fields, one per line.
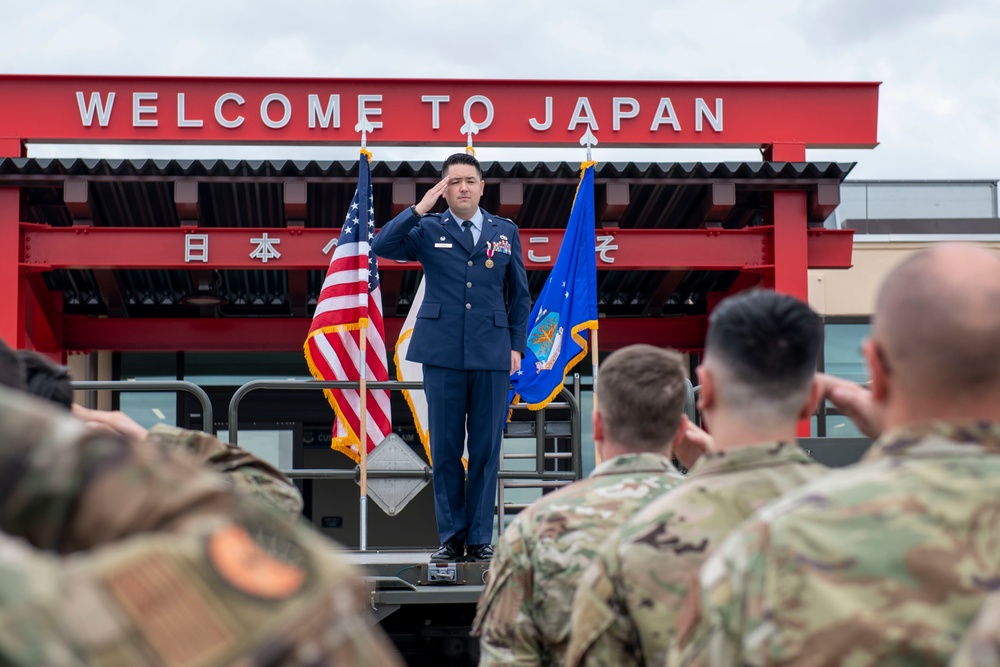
x=689 y=616
x=494 y=586
x=169 y=610
x=272 y=571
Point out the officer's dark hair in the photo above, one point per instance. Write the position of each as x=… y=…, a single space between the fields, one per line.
x=46 y=379
x=461 y=158
x=768 y=344
x=11 y=368
x=641 y=392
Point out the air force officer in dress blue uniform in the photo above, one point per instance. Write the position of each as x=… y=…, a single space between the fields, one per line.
x=470 y=336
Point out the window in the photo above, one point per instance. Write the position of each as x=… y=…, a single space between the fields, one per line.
x=149 y=408
x=842 y=350
x=841 y=357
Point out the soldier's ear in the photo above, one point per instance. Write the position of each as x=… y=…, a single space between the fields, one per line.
x=816 y=391
x=680 y=434
x=878 y=369
x=598 y=424
x=706 y=395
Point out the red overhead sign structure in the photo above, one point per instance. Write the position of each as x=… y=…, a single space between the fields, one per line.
x=782 y=119
x=436 y=112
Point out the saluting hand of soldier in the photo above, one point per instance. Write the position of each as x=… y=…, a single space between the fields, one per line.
x=855 y=401
x=113 y=421
x=694 y=444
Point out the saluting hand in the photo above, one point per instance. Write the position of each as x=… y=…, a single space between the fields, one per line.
x=692 y=442
x=111 y=421
x=431 y=197
x=855 y=401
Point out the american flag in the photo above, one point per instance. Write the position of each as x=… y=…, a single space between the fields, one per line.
x=351 y=302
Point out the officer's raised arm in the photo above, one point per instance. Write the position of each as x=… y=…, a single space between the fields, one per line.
x=399 y=239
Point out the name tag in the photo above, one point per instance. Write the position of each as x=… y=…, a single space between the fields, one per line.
x=442 y=245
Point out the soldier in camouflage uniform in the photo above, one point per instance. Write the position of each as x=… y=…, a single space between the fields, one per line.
x=250 y=475
x=757 y=382
x=66 y=487
x=229 y=582
x=523 y=615
x=981 y=645
x=886 y=562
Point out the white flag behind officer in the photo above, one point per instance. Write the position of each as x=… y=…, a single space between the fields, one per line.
x=409 y=371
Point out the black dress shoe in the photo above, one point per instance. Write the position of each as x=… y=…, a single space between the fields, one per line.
x=450 y=551
x=474 y=552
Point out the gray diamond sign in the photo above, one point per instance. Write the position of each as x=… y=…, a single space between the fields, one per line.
x=392 y=495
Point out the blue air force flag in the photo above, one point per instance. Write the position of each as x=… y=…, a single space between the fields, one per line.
x=565 y=309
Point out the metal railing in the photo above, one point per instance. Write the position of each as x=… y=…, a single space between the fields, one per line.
x=542 y=479
x=568 y=401
x=536 y=477
x=154 y=385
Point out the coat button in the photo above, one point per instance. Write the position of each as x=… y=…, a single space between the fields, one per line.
x=468 y=306
x=470 y=262
x=468 y=284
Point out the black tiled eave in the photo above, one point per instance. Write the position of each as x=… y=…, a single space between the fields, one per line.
x=245 y=193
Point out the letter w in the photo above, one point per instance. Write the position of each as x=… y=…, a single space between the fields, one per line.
x=87 y=110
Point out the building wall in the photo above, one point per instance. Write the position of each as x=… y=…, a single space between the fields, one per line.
x=851 y=292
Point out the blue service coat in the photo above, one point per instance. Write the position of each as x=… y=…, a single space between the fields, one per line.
x=472 y=316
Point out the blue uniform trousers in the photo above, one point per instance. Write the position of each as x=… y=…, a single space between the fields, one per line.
x=465 y=511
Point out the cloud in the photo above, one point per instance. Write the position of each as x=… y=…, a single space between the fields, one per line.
x=938 y=100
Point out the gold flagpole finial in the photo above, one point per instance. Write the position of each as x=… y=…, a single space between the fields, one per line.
x=468 y=130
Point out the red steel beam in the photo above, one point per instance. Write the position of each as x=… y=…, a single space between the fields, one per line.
x=47 y=248
x=87 y=334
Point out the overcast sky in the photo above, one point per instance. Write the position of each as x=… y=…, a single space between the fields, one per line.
x=938 y=61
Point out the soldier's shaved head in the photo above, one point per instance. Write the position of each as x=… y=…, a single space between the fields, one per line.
x=937 y=322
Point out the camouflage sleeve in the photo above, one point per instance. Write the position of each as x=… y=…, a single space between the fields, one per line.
x=504 y=619
x=30 y=583
x=252 y=590
x=713 y=622
x=602 y=630
x=247 y=473
x=65 y=487
x=981 y=645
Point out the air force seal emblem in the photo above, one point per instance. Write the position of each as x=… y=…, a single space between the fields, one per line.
x=545 y=341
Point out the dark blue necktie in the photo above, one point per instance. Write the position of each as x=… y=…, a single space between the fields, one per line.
x=467 y=225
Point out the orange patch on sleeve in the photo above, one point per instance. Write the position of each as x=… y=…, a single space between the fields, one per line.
x=246 y=566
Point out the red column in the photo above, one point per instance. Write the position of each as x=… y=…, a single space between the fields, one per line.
x=791 y=252
x=12 y=323
x=12 y=147
x=788 y=216
x=12 y=297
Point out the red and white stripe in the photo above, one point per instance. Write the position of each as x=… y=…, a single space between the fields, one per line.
x=334 y=348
